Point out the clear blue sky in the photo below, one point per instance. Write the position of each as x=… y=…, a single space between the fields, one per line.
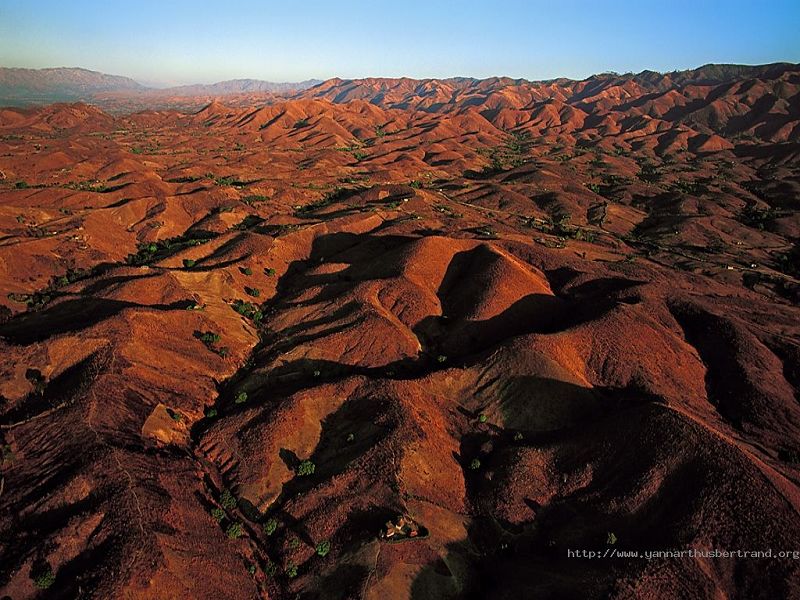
x=182 y=41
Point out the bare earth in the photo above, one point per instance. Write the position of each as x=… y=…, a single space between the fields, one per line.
x=527 y=315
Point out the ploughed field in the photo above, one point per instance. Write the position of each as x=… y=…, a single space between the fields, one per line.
x=236 y=343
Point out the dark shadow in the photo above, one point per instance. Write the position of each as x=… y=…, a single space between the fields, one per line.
x=71 y=315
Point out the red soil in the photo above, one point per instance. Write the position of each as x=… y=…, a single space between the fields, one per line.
x=526 y=315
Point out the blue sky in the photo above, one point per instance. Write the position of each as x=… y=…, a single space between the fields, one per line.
x=181 y=41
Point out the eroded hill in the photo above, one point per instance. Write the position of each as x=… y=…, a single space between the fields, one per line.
x=237 y=342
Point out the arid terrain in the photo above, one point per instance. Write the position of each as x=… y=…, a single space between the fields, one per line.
x=239 y=335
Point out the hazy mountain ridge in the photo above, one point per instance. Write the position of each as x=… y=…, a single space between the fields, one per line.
x=24 y=87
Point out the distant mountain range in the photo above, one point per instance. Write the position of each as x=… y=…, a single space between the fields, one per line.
x=24 y=87
x=21 y=87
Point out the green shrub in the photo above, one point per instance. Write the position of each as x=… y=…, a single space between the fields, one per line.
x=209 y=338
x=291 y=570
x=234 y=530
x=246 y=270
x=475 y=464
x=218 y=514
x=270 y=526
x=241 y=397
x=254 y=292
x=189 y=263
x=227 y=499
x=441 y=358
x=518 y=436
x=43 y=577
x=306 y=468
x=323 y=548
x=269 y=271
x=482 y=418
x=211 y=412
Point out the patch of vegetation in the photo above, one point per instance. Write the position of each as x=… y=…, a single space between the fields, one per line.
x=231 y=181
x=227 y=499
x=693 y=188
x=210 y=412
x=210 y=341
x=6 y=455
x=234 y=530
x=43 y=576
x=248 y=310
x=253 y=199
x=759 y=218
x=88 y=186
x=482 y=418
x=339 y=193
x=254 y=292
x=323 y=548
x=441 y=359
x=359 y=154
x=379 y=131
x=149 y=252
x=188 y=263
x=306 y=468
x=184 y=179
x=241 y=397
x=270 y=526
x=245 y=270
x=291 y=570
x=269 y=271
x=38 y=299
x=300 y=123
x=218 y=514
x=649 y=173
x=475 y=464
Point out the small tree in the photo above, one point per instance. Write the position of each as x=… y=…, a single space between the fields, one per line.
x=234 y=530
x=323 y=548
x=270 y=526
x=306 y=468
x=227 y=499
x=43 y=577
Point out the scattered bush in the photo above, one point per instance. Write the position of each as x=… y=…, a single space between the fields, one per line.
x=209 y=338
x=482 y=418
x=441 y=358
x=246 y=270
x=218 y=514
x=248 y=310
x=518 y=436
x=211 y=412
x=241 y=397
x=270 y=526
x=189 y=262
x=350 y=438
x=254 y=292
x=227 y=499
x=269 y=271
x=234 y=530
x=300 y=123
x=43 y=577
x=306 y=468
x=323 y=548
x=475 y=464
x=291 y=570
